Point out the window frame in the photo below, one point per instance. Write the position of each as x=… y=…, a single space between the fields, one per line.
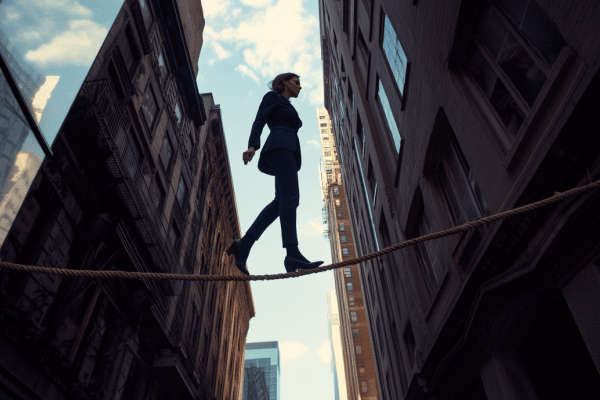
x=510 y=145
x=401 y=92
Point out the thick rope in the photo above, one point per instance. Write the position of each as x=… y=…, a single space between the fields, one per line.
x=244 y=278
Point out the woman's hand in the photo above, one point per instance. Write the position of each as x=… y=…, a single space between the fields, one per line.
x=248 y=155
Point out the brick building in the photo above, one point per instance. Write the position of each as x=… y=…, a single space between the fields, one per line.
x=138 y=180
x=445 y=112
x=358 y=362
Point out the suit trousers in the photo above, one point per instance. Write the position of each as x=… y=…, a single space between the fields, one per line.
x=287 y=198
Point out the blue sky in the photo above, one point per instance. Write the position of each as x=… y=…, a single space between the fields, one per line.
x=246 y=44
x=58 y=38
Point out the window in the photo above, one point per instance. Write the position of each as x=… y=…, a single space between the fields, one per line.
x=345 y=252
x=326 y=145
x=146 y=13
x=129 y=50
x=174 y=234
x=325 y=137
x=351 y=301
x=353 y=316
x=510 y=58
x=343 y=239
x=162 y=66
x=132 y=155
x=166 y=152
x=327 y=153
x=341 y=227
x=337 y=202
x=321 y=117
x=182 y=192
x=394 y=53
x=427 y=260
x=340 y=214
x=459 y=188
x=361 y=370
x=149 y=106
x=157 y=192
x=329 y=179
x=349 y=287
x=177 y=111
x=324 y=124
x=336 y=191
x=356 y=333
x=358 y=349
x=371 y=179
x=347 y=272
x=388 y=114
x=363 y=387
x=362 y=58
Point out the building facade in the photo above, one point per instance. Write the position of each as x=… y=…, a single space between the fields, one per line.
x=136 y=180
x=451 y=111
x=358 y=361
x=262 y=360
x=340 y=391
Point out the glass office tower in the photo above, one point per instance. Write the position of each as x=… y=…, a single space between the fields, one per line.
x=46 y=51
x=263 y=357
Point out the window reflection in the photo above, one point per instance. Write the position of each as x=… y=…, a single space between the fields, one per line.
x=394 y=53
x=20 y=158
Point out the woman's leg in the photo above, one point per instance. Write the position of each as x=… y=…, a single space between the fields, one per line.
x=288 y=191
x=287 y=198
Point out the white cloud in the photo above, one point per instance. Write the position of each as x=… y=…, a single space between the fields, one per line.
x=291 y=350
x=69 y=6
x=283 y=37
x=256 y=3
x=213 y=8
x=236 y=12
x=77 y=46
x=11 y=14
x=324 y=352
x=312 y=227
x=220 y=51
x=244 y=70
x=312 y=143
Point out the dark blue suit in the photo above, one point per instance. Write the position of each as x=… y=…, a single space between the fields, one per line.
x=280 y=157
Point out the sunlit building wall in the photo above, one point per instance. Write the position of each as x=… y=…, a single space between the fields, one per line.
x=359 y=367
x=337 y=352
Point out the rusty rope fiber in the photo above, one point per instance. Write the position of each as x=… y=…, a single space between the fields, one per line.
x=243 y=278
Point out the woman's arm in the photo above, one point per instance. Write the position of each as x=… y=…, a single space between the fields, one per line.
x=267 y=104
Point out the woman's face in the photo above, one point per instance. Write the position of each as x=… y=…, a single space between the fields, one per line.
x=293 y=86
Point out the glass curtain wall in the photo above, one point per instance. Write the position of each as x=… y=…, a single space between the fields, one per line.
x=46 y=50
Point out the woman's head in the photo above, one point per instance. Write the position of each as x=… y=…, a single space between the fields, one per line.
x=287 y=82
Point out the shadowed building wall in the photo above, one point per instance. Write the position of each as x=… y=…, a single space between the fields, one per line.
x=137 y=181
x=446 y=112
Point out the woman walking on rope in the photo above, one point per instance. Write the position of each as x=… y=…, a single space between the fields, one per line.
x=280 y=158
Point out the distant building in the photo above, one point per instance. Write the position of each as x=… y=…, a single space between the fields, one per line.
x=138 y=180
x=14 y=130
x=22 y=174
x=337 y=352
x=359 y=368
x=262 y=359
x=446 y=112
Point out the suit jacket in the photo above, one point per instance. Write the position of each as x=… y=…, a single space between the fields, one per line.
x=278 y=113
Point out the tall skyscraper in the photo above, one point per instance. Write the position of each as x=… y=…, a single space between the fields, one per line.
x=447 y=112
x=359 y=368
x=337 y=352
x=262 y=360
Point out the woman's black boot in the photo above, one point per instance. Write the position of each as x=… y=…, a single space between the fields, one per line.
x=295 y=260
x=241 y=249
